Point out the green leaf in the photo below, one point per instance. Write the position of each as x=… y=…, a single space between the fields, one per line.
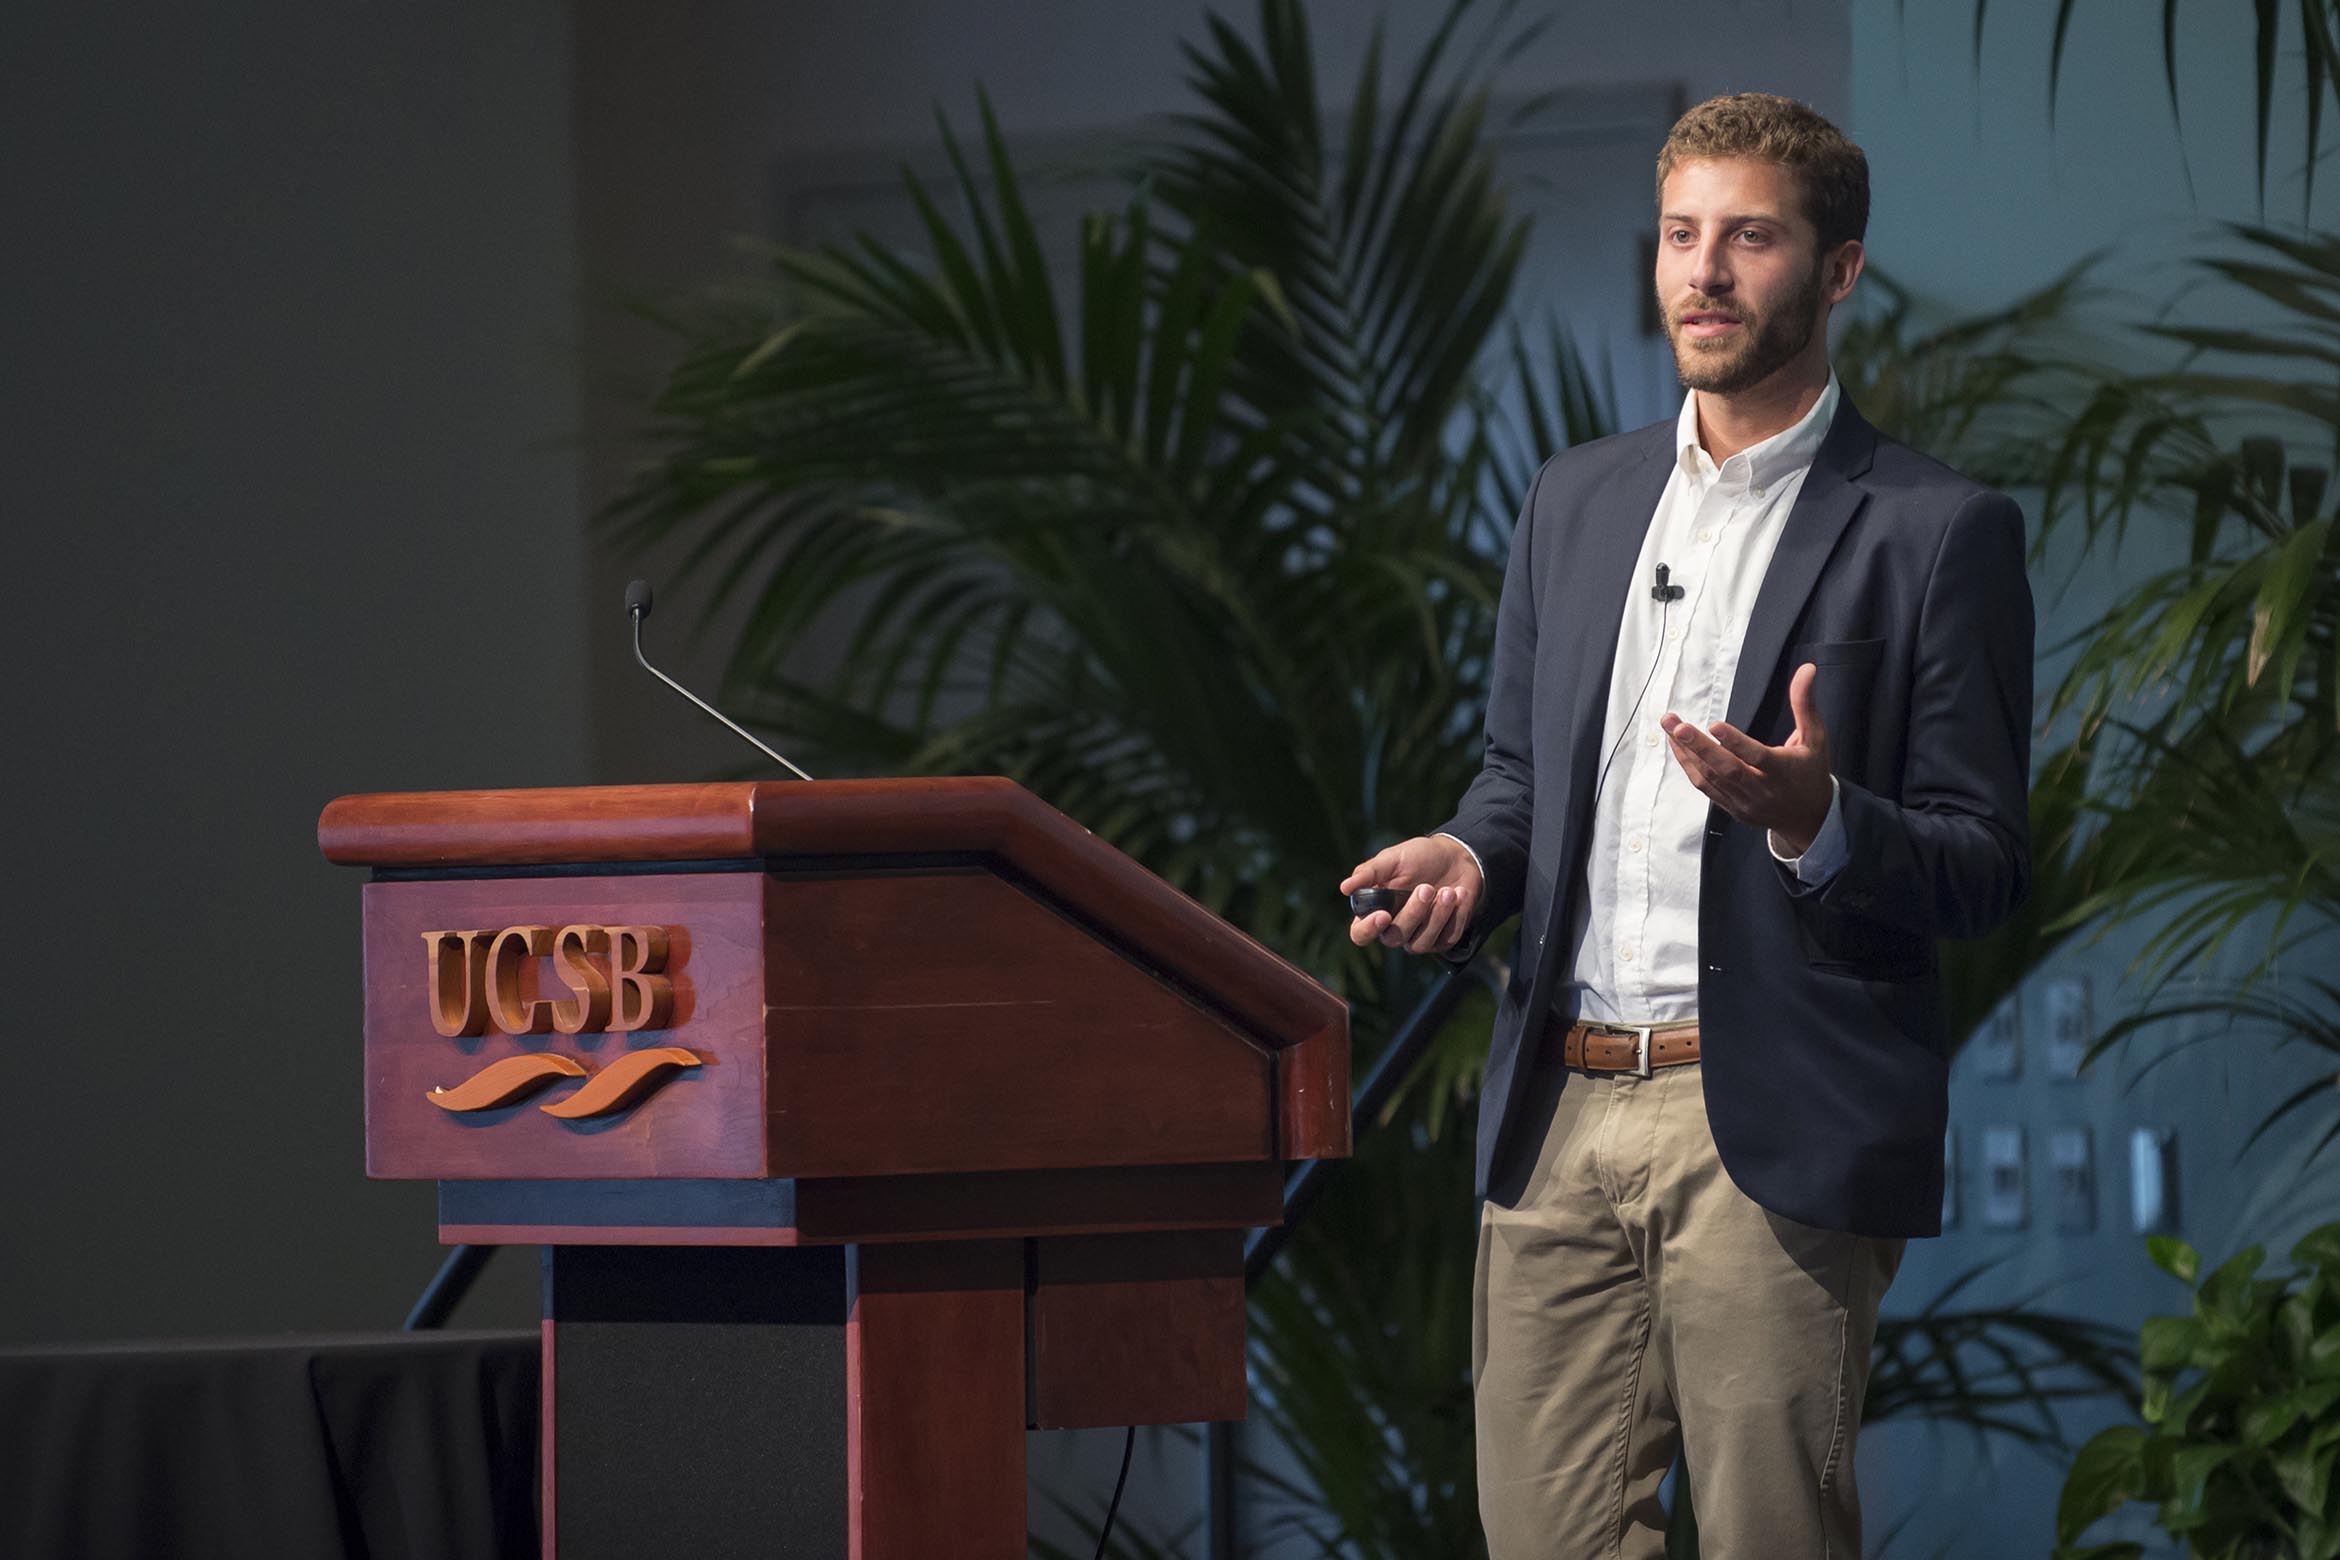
x=2174 y=1257
x=2264 y=1423
x=2320 y=1249
x=2106 y=1474
x=2179 y=1416
x=2225 y=1296
x=2279 y=623
x=2190 y=1470
x=2169 y=1342
x=2305 y=1474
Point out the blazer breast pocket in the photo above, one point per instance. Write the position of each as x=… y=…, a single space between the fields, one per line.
x=1843 y=683
x=1852 y=654
x=1839 y=944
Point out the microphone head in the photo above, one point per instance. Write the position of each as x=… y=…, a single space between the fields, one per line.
x=638 y=598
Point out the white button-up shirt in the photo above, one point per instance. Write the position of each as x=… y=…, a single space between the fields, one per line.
x=1634 y=955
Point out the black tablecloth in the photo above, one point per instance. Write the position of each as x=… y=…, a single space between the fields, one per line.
x=369 y=1445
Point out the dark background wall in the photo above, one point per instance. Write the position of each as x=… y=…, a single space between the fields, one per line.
x=289 y=487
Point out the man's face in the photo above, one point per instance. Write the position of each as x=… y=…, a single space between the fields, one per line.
x=1741 y=284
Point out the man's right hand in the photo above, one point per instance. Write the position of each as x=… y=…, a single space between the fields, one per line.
x=1446 y=889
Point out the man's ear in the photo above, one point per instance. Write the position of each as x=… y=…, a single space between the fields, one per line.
x=1844 y=267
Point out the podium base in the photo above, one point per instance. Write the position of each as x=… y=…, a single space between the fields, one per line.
x=802 y=1403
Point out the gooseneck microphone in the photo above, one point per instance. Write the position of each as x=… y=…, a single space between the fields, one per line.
x=638 y=608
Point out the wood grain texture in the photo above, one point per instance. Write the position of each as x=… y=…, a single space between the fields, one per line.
x=1312 y=1096
x=1137 y=1329
x=707 y=1121
x=557 y=824
x=950 y=1022
x=1088 y=880
x=935 y=1401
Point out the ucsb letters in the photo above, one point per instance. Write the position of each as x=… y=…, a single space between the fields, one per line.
x=614 y=976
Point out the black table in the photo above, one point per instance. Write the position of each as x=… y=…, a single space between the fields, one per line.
x=309 y=1448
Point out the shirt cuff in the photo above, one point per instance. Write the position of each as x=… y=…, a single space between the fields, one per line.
x=1825 y=856
x=1474 y=855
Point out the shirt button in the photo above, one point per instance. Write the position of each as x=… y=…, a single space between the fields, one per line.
x=1673 y=636
x=1650 y=740
x=1634 y=844
x=1755 y=492
x=1706 y=533
x=1625 y=954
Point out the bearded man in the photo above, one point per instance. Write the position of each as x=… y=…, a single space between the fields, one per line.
x=1757 y=735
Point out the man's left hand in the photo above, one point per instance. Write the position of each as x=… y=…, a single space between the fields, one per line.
x=1784 y=789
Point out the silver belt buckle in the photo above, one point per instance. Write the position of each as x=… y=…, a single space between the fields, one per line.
x=1640 y=1036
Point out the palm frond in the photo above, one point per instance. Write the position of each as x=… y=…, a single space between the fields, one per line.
x=1995 y=1371
x=1396 y=250
x=1145 y=548
x=1361 y=1349
x=2317 y=54
x=1975 y=390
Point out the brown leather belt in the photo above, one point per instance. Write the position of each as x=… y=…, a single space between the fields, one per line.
x=1619 y=1048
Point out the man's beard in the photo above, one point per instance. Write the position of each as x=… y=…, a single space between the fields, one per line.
x=1766 y=341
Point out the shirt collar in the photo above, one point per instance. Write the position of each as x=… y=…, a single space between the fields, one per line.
x=1761 y=465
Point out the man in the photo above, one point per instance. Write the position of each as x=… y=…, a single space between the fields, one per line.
x=1758 y=733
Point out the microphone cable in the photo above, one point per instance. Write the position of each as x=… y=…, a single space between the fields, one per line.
x=1113 y=1508
x=1665 y=594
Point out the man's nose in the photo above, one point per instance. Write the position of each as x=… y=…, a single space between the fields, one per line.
x=1709 y=272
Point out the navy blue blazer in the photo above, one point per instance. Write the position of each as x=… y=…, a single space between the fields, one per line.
x=1820 y=1011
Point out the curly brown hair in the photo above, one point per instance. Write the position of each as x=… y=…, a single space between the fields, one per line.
x=1834 y=174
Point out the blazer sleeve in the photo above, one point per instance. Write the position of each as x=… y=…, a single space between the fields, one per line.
x=1496 y=815
x=1951 y=857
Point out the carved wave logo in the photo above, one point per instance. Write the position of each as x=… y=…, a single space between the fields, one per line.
x=628 y=1081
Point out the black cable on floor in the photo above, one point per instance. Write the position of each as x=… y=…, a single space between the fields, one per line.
x=1105 y=1534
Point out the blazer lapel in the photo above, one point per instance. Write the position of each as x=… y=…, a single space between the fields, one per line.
x=1830 y=497
x=1593 y=574
x=1588 y=576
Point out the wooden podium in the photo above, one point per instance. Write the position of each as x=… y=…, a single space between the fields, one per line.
x=863 y=1124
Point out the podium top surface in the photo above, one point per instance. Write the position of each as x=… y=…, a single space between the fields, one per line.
x=984 y=816
x=715 y=821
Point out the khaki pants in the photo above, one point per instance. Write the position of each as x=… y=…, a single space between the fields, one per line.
x=1631 y=1302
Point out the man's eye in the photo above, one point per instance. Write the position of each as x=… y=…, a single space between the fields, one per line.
x=1753 y=235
